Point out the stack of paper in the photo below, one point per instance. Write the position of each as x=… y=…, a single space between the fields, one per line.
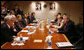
x=64 y=44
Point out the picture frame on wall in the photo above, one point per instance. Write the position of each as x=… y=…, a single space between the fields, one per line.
x=52 y=6
x=38 y=6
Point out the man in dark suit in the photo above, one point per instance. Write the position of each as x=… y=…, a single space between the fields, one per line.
x=20 y=23
x=7 y=30
x=30 y=18
x=68 y=28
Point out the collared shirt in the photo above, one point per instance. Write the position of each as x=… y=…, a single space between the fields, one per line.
x=8 y=26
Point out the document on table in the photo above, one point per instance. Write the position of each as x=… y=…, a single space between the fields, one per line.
x=37 y=40
x=24 y=31
x=20 y=44
x=64 y=44
x=17 y=39
x=24 y=38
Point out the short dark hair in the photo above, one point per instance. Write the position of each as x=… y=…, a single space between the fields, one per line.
x=64 y=14
x=61 y=17
x=59 y=13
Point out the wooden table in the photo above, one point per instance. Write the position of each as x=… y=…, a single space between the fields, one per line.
x=41 y=35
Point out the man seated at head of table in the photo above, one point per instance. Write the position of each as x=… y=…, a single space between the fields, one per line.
x=68 y=28
x=7 y=29
x=20 y=23
x=31 y=17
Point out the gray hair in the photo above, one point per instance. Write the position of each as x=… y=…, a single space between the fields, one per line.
x=66 y=16
x=9 y=17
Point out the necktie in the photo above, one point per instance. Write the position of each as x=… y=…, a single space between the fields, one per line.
x=65 y=27
x=59 y=24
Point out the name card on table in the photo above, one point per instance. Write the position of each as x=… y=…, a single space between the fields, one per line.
x=37 y=40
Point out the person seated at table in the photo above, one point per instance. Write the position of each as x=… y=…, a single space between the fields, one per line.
x=59 y=23
x=68 y=28
x=30 y=18
x=33 y=15
x=19 y=23
x=25 y=18
x=58 y=15
x=7 y=30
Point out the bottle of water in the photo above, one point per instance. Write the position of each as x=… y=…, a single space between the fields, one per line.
x=21 y=38
x=29 y=29
x=49 y=42
x=48 y=21
x=49 y=32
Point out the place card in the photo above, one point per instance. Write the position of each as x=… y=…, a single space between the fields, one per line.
x=37 y=40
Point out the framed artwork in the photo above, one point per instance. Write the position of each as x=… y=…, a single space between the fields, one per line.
x=52 y=6
x=38 y=6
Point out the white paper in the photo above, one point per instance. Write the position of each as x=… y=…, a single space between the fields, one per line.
x=24 y=31
x=32 y=32
x=49 y=47
x=63 y=44
x=24 y=38
x=30 y=27
x=13 y=44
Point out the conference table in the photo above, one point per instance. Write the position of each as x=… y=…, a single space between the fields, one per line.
x=38 y=35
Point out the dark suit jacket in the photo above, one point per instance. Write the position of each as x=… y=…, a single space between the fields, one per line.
x=20 y=12
x=22 y=23
x=30 y=20
x=69 y=31
x=6 y=33
x=56 y=20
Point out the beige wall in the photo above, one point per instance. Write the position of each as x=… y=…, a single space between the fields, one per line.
x=73 y=8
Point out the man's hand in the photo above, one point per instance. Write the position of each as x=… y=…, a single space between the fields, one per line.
x=53 y=29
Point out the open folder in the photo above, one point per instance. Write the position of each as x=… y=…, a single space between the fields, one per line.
x=64 y=44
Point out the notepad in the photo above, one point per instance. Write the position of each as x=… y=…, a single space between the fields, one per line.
x=64 y=44
x=37 y=40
